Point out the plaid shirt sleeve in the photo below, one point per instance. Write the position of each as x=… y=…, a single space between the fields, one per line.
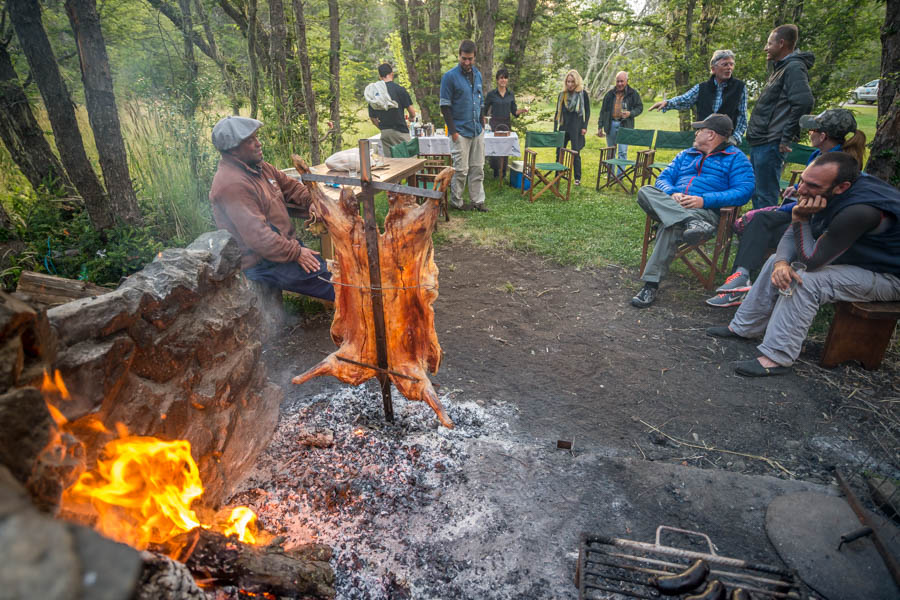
x=684 y=101
x=740 y=128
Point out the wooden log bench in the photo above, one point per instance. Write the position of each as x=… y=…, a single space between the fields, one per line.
x=860 y=331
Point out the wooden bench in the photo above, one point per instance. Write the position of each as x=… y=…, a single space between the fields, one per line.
x=860 y=331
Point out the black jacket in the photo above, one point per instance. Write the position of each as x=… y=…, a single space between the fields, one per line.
x=786 y=97
x=633 y=101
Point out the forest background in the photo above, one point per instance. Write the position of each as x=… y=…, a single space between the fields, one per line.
x=106 y=107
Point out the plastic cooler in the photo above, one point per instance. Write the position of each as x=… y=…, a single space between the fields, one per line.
x=515 y=174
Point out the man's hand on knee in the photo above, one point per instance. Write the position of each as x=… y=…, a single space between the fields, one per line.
x=309 y=260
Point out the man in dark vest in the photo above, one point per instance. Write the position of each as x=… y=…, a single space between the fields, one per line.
x=721 y=93
x=845 y=230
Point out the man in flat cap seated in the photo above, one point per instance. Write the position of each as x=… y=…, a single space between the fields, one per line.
x=248 y=198
x=688 y=194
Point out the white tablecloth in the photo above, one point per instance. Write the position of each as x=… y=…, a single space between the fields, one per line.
x=440 y=144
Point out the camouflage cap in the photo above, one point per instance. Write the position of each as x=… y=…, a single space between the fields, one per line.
x=835 y=122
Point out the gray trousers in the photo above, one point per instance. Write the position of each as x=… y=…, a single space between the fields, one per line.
x=671 y=216
x=468 y=162
x=783 y=321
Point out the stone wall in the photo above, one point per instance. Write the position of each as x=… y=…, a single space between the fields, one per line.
x=174 y=352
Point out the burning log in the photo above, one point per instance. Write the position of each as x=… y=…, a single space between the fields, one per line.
x=223 y=561
x=409 y=288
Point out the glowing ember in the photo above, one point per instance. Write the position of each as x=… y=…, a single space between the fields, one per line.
x=359 y=432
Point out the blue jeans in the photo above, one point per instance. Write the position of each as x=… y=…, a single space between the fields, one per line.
x=621 y=150
x=767 y=161
x=292 y=277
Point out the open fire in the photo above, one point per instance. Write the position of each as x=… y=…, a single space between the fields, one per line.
x=142 y=490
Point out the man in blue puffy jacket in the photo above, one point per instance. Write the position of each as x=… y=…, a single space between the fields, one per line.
x=688 y=195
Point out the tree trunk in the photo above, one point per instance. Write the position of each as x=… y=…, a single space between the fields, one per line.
x=251 y=52
x=26 y=18
x=277 y=40
x=22 y=135
x=884 y=160
x=190 y=62
x=103 y=113
x=433 y=65
x=518 y=39
x=334 y=66
x=486 y=15
x=682 y=73
x=312 y=113
x=262 y=39
x=467 y=19
x=409 y=59
x=230 y=88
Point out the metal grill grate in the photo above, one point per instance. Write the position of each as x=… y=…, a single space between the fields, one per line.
x=618 y=568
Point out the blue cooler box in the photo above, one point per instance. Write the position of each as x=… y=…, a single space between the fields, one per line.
x=515 y=180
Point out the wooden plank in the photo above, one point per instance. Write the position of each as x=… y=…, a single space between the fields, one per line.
x=50 y=290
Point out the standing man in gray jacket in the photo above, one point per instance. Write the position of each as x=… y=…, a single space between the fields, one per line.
x=775 y=121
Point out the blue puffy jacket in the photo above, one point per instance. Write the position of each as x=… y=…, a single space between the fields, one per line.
x=722 y=178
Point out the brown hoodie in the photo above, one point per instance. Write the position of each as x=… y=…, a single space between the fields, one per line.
x=249 y=201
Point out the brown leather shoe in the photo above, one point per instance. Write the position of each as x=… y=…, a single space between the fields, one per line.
x=480 y=208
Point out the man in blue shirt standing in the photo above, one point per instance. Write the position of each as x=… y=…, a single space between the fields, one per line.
x=461 y=102
x=721 y=93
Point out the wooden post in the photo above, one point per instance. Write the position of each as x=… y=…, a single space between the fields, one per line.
x=367 y=199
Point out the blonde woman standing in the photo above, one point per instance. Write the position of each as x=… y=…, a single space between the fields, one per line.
x=573 y=111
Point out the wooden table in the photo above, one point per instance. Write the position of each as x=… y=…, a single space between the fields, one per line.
x=394 y=170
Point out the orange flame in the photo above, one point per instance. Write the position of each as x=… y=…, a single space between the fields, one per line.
x=141 y=490
x=242 y=523
x=55 y=388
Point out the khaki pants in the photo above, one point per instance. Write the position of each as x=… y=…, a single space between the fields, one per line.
x=468 y=161
x=392 y=137
x=671 y=216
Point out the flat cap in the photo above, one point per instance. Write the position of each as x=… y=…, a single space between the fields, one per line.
x=229 y=132
x=719 y=123
x=835 y=122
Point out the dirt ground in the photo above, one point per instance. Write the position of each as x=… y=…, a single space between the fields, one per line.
x=565 y=348
x=535 y=353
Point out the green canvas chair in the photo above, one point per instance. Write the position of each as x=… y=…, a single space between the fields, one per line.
x=408 y=149
x=665 y=140
x=549 y=174
x=799 y=155
x=434 y=164
x=633 y=170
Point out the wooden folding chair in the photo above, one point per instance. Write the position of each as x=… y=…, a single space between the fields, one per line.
x=707 y=266
x=665 y=140
x=550 y=174
x=631 y=172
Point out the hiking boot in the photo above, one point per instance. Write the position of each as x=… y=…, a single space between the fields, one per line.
x=727 y=299
x=480 y=207
x=697 y=231
x=645 y=297
x=736 y=282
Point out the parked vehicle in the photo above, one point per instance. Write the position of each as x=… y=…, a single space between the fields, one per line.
x=865 y=93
